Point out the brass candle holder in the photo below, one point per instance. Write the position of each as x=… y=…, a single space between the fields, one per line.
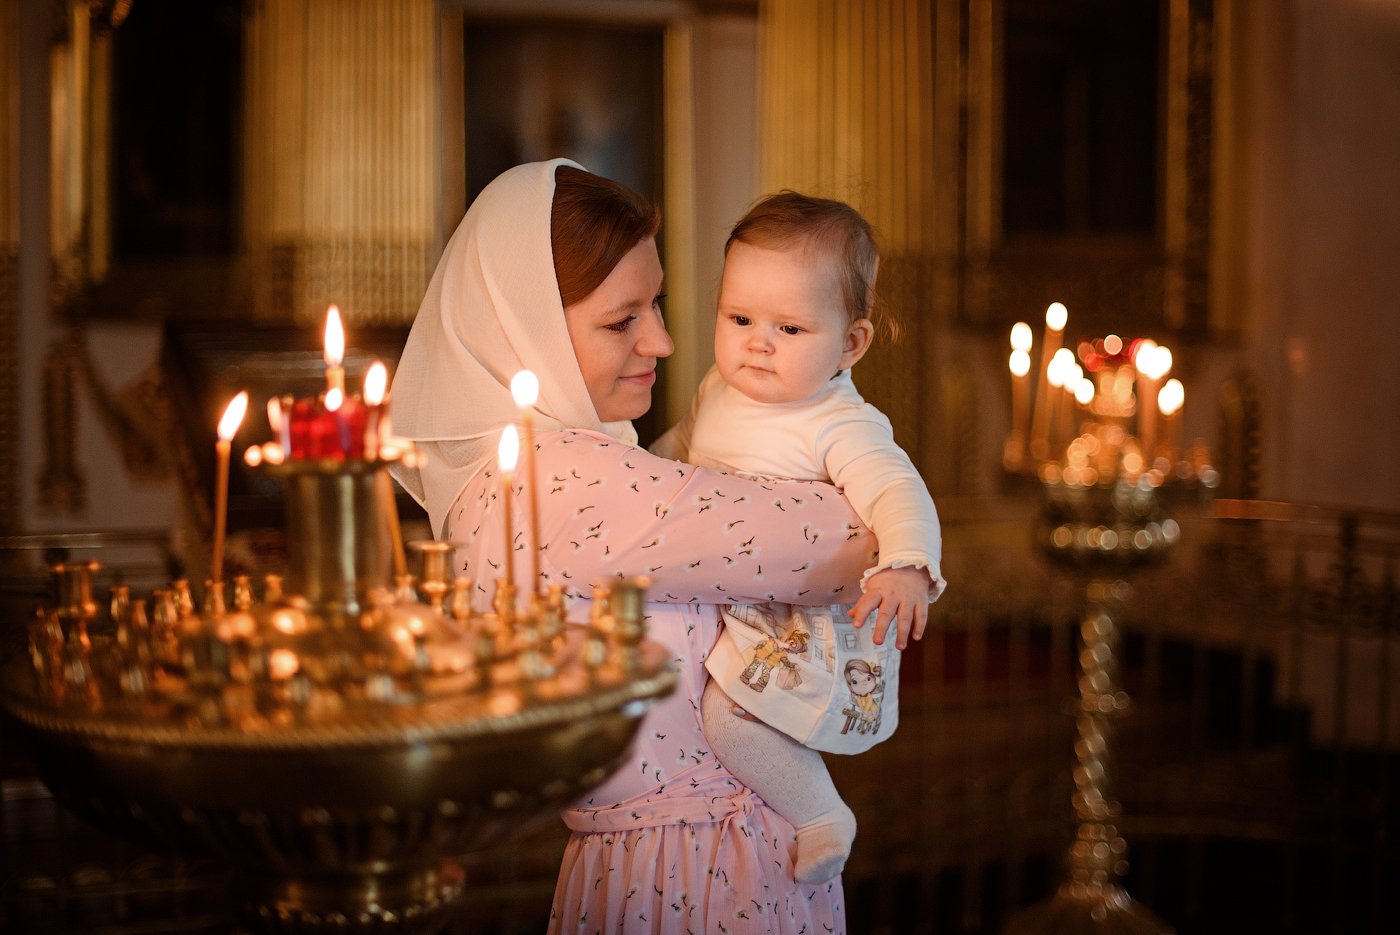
x=1104 y=495
x=340 y=741
x=1105 y=531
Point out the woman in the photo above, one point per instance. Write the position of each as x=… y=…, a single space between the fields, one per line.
x=565 y=280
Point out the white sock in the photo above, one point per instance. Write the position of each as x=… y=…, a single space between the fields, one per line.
x=789 y=777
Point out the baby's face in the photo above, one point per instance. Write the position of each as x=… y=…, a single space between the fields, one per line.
x=781 y=332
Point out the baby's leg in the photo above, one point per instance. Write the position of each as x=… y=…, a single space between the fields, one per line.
x=788 y=776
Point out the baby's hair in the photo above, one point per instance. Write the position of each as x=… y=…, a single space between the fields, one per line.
x=830 y=228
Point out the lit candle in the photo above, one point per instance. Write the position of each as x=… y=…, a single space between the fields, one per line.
x=334 y=352
x=525 y=388
x=278 y=419
x=1056 y=316
x=376 y=383
x=1152 y=362
x=507 y=454
x=228 y=427
x=1169 y=402
x=1020 y=364
x=1052 y=391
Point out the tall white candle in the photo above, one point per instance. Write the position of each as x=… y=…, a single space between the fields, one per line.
x=525 y=390
x=1056 y=317
x=228 y=427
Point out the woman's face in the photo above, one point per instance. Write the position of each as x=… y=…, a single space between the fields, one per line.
x=618 y=335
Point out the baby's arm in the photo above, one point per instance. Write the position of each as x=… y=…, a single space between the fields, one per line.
x=608 y=509
x=881 y=483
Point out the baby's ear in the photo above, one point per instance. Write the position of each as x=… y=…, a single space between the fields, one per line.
x=858 y=337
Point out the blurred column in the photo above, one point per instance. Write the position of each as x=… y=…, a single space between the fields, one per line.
x=9 y=267
x=342 y=160
x=847 y=111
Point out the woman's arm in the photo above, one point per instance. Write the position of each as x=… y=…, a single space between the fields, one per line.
x=609 y=509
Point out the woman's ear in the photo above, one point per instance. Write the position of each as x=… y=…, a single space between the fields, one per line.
x=858 y=337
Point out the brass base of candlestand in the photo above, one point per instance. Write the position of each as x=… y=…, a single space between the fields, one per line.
x=1104 y=531
x=1074 y=910
x=347 y=826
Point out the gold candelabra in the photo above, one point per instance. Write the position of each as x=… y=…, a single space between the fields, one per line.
x=340 y=740
x=1104 y=449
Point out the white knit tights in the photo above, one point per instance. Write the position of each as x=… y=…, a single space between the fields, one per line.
x=789 y=777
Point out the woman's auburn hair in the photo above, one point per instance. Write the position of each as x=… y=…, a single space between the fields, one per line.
x=593 y=224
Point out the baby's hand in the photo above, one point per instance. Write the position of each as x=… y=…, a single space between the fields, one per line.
x=899 y=594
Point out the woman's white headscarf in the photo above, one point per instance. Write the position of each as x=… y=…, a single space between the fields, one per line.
x=492 y=309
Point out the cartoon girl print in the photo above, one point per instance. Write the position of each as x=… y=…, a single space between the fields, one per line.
x=771 y=652
x=867 y=690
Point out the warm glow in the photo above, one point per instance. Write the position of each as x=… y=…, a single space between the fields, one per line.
x=1020 y=336
x=1020 y=363
x=274 y=415
x=376 y=382
x=1112 y=345
x=1056 y=316
x=1084 y=392
x=1171 y=396
x=335 y=338
x=1153 y=361
x=335 y=398
x=272 y=453
x=233 y=416
x=1055 y=372
x=525 y=387
x=1142 y=352
x=1161 y=363
x=509 y=451
x=282 y=664
x=253 y=456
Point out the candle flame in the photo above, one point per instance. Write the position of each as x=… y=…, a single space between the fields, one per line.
x=1171 y=396
x=1112 y=345
x=525 y=387
x=509 y=451
x=1056 y=316
x=1055 y=372
x=335 y=398
x=1084 y=392
x=274 y=415
x=253 y=456
x=335 y=338
x=1021 y=336
x=1142 y=352
x=376 y=381
x=1020 y=363
x=233 y=416
x=272 y=453
x=1153 y=361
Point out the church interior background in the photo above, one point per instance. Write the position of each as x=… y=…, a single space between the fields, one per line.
x=186 y=187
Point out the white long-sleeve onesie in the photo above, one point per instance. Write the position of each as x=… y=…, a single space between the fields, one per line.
x=824 y=698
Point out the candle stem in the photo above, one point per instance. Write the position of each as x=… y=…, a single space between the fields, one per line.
x=222 y=449
x=506 y=479
x=391 y=518
x=528 y=439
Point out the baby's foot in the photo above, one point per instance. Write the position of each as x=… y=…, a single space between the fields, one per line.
x=823 y=845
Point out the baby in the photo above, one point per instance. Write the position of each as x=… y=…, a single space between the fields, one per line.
x=794 y=315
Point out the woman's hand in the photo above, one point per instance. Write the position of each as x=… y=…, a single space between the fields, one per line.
x=898 y=594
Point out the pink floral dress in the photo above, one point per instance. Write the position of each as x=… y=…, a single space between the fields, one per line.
x=671 y=842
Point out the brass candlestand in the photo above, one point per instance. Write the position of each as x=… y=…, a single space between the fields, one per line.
x=340 y=741
x=1104 y=531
